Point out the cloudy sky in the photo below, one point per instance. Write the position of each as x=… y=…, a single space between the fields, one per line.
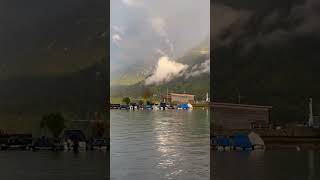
x=144 y=30
x=266 y=23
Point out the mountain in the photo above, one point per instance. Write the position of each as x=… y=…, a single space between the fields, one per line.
x=132 y=75
x=80 y=91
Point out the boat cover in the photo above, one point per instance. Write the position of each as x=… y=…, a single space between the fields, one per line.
x=241 y=140
x=255 y=139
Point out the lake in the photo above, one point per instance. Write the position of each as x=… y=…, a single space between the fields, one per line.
x=172 y=144
x=276 y=165
x=27 y=165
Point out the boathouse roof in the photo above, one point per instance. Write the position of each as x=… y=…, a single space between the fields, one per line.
x=241 y=106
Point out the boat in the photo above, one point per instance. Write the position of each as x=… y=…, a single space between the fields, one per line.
x=163 y=106
x=99 y=144
x=185 y=106
x=155 y=107
x=126 y=107
x=237 y=142
x=115 y=106
x=45 y=143
x=15 y=143
x=77 y=139
x=256 y=141
x=148 y=107
x=241 y=141
x=221 y=142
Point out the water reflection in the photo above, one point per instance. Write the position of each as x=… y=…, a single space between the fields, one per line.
x=265 y=165
x=311 y=164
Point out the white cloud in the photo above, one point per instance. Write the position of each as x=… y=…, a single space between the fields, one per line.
x=165 y=71
x=116 y=38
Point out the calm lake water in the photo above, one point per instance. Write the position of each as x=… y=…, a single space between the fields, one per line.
x=27 y=165
x=275 y=165
x=172 y=144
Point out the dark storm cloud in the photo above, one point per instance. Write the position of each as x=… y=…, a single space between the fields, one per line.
x=267 y=26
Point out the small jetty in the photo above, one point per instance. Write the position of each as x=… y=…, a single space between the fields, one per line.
x=15 y=141
x=71 y=140
x=161 y=106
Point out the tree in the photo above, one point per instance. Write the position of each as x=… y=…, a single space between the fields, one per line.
x=140 y=102
x=99 y=129
x=55 y=123
x=126 y=100
x=146 y=94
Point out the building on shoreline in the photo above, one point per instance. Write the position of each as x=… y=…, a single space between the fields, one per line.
x=239 y=117
x=178 y=98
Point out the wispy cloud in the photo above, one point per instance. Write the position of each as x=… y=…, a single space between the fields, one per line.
x=118 y=29
x=199 y=69
x=133 y=3
x=159 y=25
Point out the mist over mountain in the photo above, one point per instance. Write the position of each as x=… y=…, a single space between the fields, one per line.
x=193 y=78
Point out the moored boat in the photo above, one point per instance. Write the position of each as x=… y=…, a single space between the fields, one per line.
x=237 y=142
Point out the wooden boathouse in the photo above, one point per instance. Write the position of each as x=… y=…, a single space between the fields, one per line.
x=228 y=117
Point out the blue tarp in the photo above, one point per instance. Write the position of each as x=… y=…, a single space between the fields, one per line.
x=241 y=140
x=183 y=106
x=223 y=141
